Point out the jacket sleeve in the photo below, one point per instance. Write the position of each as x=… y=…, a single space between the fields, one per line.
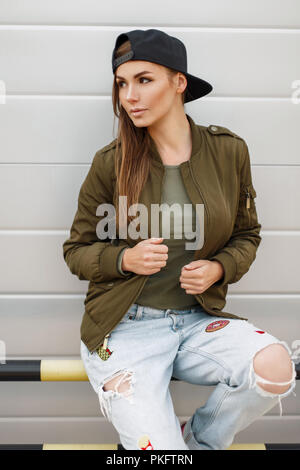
x=87 y=256
x=120 y=259
x=239 y=253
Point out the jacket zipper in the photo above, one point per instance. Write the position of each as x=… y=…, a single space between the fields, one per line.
x=248 y=198
x=206 y=209
x=207 y=212
x=199 y=191
x=161 y=188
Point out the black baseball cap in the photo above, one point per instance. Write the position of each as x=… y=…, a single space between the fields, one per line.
x=153 y=45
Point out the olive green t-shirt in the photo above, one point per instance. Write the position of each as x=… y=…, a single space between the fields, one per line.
x=162 y=289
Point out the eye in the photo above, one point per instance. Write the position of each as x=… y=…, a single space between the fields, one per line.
x=145 y=78
x=141 y=78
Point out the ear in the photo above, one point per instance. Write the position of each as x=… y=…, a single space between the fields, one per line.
x=182 y=82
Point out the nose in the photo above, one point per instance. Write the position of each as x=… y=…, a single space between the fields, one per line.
x=131 y=94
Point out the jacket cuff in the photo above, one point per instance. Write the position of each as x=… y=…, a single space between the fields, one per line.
x=229 y=266
x=109 y=262
x=120 y=258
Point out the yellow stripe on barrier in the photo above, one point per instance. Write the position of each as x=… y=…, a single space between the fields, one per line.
x=63 y=370
x=80 y=447
x=118 y=447
x=115 y=447
x=247 y=447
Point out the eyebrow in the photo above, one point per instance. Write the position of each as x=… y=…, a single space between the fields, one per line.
x=135 y=76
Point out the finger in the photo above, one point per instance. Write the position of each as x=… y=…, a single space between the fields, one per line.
x=191 y=290
x=194 y=265
x=151 y=241
x=159 y=248
x=160 y=256
x=157 y=263
x=186 y=285
x=187 y=276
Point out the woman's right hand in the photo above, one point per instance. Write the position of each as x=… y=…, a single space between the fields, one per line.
x=146 y=257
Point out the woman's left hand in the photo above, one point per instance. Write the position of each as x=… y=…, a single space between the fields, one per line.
x=199 y=275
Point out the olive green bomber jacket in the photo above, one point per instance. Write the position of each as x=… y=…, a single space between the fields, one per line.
x=217 y=175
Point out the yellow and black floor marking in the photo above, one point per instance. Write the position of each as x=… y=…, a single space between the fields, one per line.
x=120 y=447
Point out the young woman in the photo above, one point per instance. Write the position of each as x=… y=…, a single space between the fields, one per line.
x=154 y=307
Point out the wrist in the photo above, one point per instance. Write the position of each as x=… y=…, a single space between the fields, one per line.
x=219 y=269
x=125 y=265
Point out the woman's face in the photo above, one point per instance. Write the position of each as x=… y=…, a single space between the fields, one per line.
x=145 y=85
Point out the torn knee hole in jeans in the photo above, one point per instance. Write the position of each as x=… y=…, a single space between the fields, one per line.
x=105 y=396
x=254 y=378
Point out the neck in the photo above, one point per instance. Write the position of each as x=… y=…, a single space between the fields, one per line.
x=173 y=138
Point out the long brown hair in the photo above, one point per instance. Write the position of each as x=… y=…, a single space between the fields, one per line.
x=132 y=160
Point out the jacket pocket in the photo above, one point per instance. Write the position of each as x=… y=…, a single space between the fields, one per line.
x=248 y=192
x=103 y=285
x=97 y=289
x=247 y=211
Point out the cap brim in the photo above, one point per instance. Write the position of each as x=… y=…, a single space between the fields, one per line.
x=196 y=88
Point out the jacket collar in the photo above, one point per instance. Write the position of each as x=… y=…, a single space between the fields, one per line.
x=196 y=145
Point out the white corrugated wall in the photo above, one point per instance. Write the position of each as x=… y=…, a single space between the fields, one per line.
x=55 y=67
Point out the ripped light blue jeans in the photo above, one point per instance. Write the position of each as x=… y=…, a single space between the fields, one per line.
x=149 y=346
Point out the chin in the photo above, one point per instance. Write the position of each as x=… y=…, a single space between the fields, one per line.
x=140 y=122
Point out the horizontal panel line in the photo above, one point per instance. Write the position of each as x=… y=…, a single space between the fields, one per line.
x=33 y=232
x=47 y=96
x=80 y=296
x=58 y=164
x=11 y=357
x=182 y=28
x=27 y=164
x=103 y=96
x=18 y=232
x=42 y=296
x=33 y=419
x=263 y=296
x=97 y=419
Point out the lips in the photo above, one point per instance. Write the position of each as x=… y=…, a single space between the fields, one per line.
x=138 y=111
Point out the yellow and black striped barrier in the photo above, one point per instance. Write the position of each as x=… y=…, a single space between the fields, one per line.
x=120 y=447
x=45 y=370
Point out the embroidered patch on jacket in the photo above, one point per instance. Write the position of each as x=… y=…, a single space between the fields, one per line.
x=216 y=325
x=144 y=443
x=259 y=331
